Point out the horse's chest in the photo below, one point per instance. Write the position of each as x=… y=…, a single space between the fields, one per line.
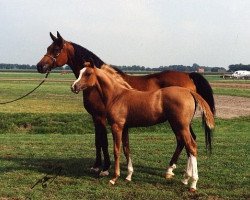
x=93 y=102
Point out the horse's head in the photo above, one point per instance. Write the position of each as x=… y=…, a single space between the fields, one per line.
x=56 y=55
x=86 y=79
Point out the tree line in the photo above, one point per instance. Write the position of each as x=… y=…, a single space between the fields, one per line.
x=194 y=67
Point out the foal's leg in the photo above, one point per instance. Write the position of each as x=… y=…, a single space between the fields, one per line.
x=178 y=150
x=173 y=161
x=126 y=150
x=117 y=139
x=192 y=169
x=101 y=143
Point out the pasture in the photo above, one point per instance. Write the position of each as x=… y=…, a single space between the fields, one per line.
x=50 y=129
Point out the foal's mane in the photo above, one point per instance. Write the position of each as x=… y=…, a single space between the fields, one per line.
x=114 y=75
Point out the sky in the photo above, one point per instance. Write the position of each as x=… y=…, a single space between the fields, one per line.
x=148 y=33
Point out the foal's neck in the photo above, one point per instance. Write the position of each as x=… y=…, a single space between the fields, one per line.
x=108 y=87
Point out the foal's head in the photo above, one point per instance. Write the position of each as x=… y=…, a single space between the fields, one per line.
x=90 y=75
x=56 y=55
x=86 y=79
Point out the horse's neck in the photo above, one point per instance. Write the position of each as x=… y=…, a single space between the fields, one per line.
x=77 y=55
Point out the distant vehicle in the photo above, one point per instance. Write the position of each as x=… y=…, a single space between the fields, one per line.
x=241 y=74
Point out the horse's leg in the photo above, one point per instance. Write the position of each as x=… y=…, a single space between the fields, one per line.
x=117 y=139
x=101 y=143
x=126 y=150
x=192 y=169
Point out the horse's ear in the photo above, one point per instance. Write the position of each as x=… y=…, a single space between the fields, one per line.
x=52 y=37
x=59 y=36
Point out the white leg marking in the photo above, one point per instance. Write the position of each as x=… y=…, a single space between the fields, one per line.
x=112 y=182
x=130 y=170
x=191 y=172
x=186 y=175
x=170 y=170
x=194 y=177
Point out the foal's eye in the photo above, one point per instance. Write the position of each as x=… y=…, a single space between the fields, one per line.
x=87 y=74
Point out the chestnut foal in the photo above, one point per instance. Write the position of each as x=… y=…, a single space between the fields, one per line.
x=124 y=104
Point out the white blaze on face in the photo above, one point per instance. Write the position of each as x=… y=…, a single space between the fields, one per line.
x=80 y=76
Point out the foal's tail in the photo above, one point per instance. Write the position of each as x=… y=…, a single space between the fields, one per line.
x=207 y=119
x=204 y=89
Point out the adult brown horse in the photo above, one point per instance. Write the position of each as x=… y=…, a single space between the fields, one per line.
x=62 y=52
x=123 y=104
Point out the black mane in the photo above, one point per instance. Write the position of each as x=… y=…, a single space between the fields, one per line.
x=82 y=54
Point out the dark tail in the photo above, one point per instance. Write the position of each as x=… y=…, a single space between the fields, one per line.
x=204 y=89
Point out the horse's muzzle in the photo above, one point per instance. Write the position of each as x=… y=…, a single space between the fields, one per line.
x=43 y=68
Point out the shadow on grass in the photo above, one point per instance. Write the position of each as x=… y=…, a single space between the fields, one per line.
x=80 y=167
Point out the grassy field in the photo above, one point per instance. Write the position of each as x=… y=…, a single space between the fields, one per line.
x=51 y=129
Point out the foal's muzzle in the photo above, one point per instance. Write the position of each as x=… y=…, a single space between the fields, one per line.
x=75 y=89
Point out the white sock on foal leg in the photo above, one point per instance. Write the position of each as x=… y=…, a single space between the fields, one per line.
x=169 y=172
x=186 y=174
x=194 y=177
x=130 y=170
x=191 y=172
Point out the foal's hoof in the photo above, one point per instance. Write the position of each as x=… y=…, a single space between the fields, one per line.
x=184 y=181
x=94 y=170
x=112 y=182
x=169 y=176
x=128 y=179
x=192 y=190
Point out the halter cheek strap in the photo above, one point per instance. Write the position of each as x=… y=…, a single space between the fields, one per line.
x=55 y=57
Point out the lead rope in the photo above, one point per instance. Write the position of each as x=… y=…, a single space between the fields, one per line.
x=47 y=74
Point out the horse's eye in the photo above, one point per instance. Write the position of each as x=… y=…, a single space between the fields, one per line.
x=57 y=50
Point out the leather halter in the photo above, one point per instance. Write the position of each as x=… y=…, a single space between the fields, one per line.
x=55 y=57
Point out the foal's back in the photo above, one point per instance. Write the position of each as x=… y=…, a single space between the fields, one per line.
x=146 y=108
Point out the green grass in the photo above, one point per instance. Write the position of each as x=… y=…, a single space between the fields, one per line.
x=25 y=158
x=28 y=75
x=50 y=128
x=232 y=91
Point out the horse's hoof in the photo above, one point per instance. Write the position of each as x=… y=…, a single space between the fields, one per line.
x=94 y=170
x=111 y=182
x=192 y=190
x=169 y=176
x=104 y=173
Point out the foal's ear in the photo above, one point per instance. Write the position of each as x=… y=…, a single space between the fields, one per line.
x=88 y=64
x=52 y=37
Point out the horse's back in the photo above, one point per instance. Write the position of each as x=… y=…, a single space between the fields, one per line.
x=160 y=80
